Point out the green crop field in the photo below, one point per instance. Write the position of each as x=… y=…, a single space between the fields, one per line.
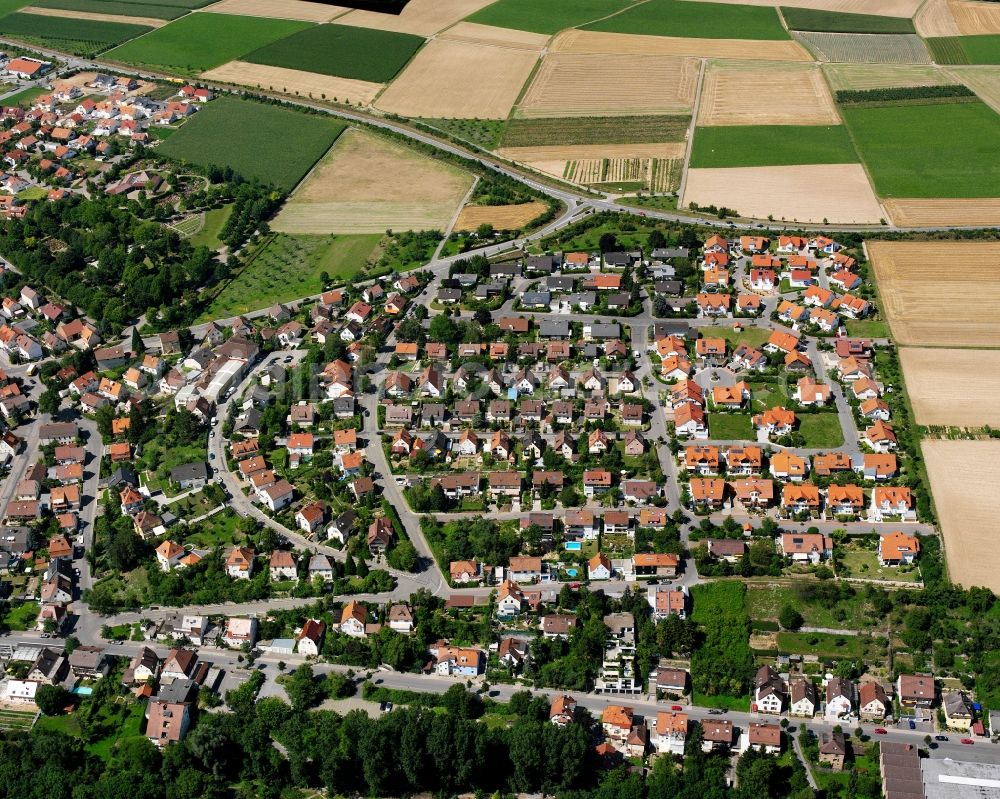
x=697 y=20
x=199 y=42
x=946 y=150
x=771 y=145
x=348 y=52
x=808 y=19
x=546 y=16
x=122 y=7
x=947 y=50
x=595 y=130
x=965 y=49
x=7 y=6
x=83 y=37
x=267 y=142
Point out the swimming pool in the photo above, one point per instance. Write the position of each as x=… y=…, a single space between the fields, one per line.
x=83 y=690
x=571 y=572
x=573 y=546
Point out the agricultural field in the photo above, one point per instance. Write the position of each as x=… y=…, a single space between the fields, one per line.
x=77 y=36
x=546 y=16
x=570 y=85
x=883 y=76
x=123 y=8
x=264 y=142
x=354 y=53
x=422 y=17
x=595 y=130
x=889 y=8
x=586 y=160
x=288 y=267
x=756 y=145
x=149 y=22
x=483 y=133
x=924 y=212
x=925 y=305
x=787 y=192
x=966 y=49
x=296 y=82
x=682 y=18
x=810 y=19
x=984 y=81
x=864 y=48
x=948 y=387
x=501 y=217
x=203 y=41
x=595 y=42
x=280 y=9
x=964 y=476
x=369 y=184
x=490 y=34
x=456 y=79
x=609 y=170
x=935 y=19
x=783 y=94
x=975 y=19
x=945 y=150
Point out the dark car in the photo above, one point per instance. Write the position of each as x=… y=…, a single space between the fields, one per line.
x=940 y=737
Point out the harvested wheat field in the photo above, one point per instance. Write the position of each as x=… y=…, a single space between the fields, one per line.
x=367 y=184
x=501 y=217
x=152 y=22
x=932 y=212
x=294 y=81
x=279 y=9
x=984 y=81
x=866 y=48
x=459 y=80
x=576 y=152
x=976 y=19
x=499 y=37
x=884 y=76
x=782 y=94
x=570 y=85
x=952 y=387
x=964 y=477
x=935 y=19
x=422 y=17
x=598 y=43
x=923 y=300
x=793 y=193
x=884 y=8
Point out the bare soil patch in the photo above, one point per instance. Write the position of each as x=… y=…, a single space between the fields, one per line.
x=279 y=9
x=500 y=37
x=152 y=22
x=501 y=217
x=788 y=192
x=568 y=85
x=984 y=81
x=778 y=94
x=964 y=476
x=935 y=19
x=596 y=42
x=884 y=8
x=934 y=212
x=422 y=17
x=952 y=387
x=296 y=82
x=367 y=184
x=976 y=19
x=459 y=80
x=927 y=303
x=884 y=76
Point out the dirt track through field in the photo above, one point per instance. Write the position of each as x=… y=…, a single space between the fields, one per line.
x=367 y=184
x=293 y=81
x=976 y=19
x=964 y=478
x=984 y=81
x=885 y=8
x=755 y=93
x=607 y=85
x=459 y=80
x=279 y=9
x=787 y=192
x=501 y=217
x=595 y=42
x=421 y=17
x=884 y=76
x=934 y=212
x=152 y=22
x=489 y=34
x=952 y=387
x=926 y=298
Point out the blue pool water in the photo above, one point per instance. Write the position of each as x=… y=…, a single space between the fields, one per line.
x=571 y=572
x=83 y=690
x=573 y=546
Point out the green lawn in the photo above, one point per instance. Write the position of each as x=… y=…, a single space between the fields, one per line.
x=288 y=267
x=808 y=19
x=215 y=220
x=19 y=616
x=821 y=644
x=771 y=145
x=946 y=150
x=965 y=49
x=269 y=143
x=754 y=336
x=821 y=430
x=342 y=50
x=864 y=563
x=26 y=97
x=219 y=530
x=199 y=42
x=730 y=427
x=34 y=193
x=698 y=20
x=867 y=328
x=768 y=395
x=545 y=16
x=765 y=600
x=84 y=37
x=119 y=731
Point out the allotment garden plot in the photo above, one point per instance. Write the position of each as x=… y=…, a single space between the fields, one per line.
x=923 y=301
x=368 y=184
x=952 y=387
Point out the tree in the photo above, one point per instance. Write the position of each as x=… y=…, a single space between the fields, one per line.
x=49 y=402
x=51 y=699
x=608 y=242
x=403 y=556
x=657 y=240
x=138 y=345
x=304 y=690
x=789 y=617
